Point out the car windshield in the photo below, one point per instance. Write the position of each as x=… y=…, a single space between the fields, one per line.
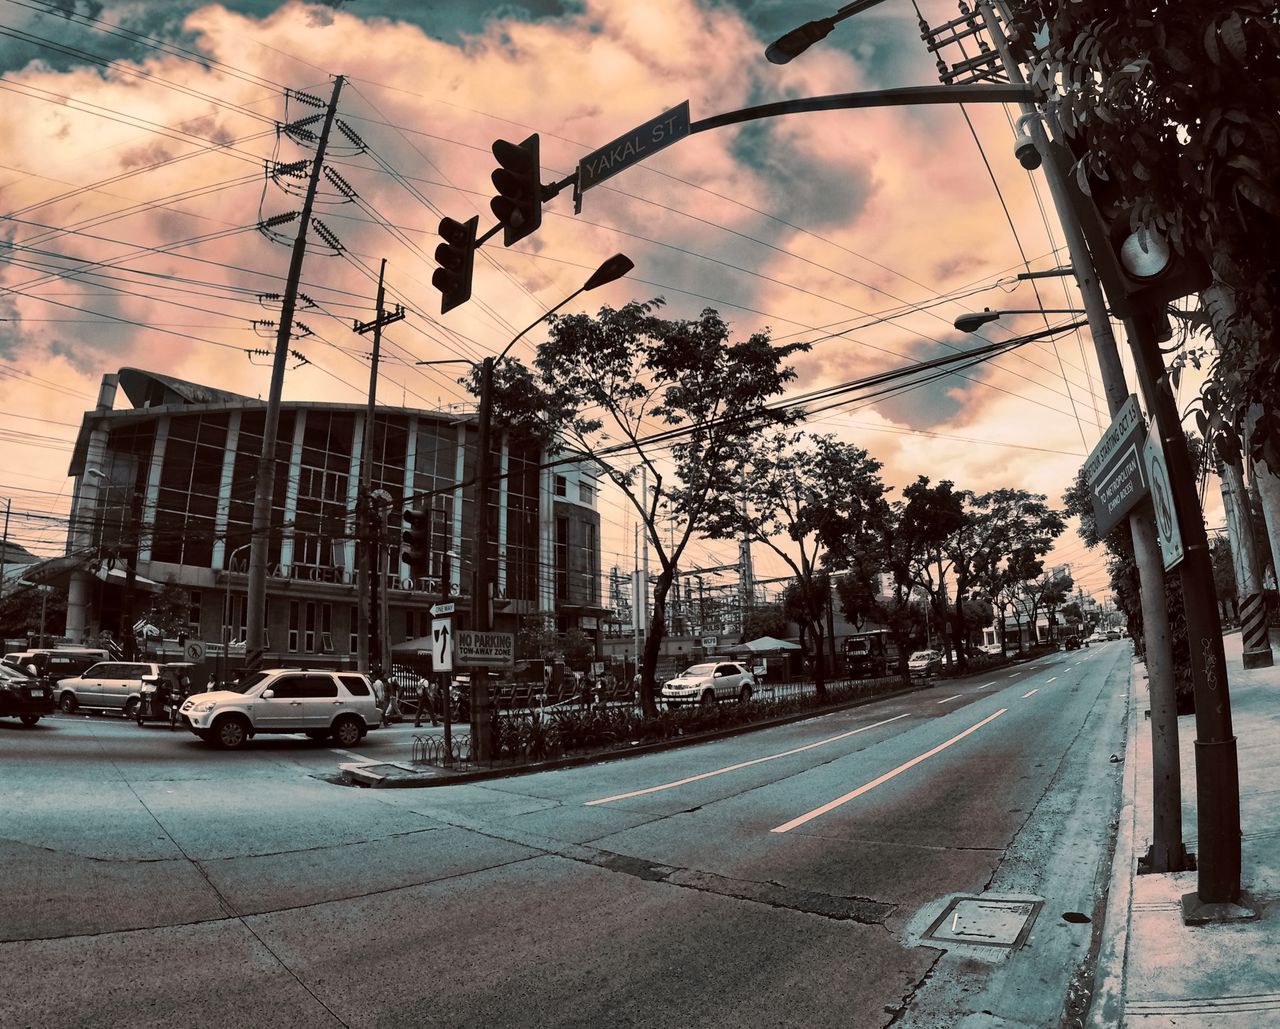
x=699 y=670
x=922 y=655
x=245 y=684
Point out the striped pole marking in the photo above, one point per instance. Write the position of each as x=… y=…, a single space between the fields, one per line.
x=1253 y=622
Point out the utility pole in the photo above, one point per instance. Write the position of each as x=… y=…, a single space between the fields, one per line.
x=4 y=546
x=368 y=531
x=482 y=584
x=1167 y=852
x=260 y=538
x=1217 y=767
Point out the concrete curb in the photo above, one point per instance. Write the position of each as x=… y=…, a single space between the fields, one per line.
x=1106 y=1007
x=368 y=776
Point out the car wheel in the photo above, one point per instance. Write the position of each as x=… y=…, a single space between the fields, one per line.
x=744 y=696
x=230 y=732
x=131 y=707
x=318 y=735
x=29 y=720
x=347 y=731
x=69 y=703
x=708 y=699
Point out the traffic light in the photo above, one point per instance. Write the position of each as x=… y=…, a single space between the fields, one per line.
x=415 y=542
x=456 y=257
x=1137 y=266
x=518 y=204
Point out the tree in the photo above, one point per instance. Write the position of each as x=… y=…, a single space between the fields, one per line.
x=169 y=610
x=915 y=542
x=1020 y=567
x=1053 y=597
x=765 y=621
x=678 y=388
x=1174 y=107
x=994 y=525
x=804 y=498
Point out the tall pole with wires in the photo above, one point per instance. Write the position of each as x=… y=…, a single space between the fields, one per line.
x=369 y=647
x=264 y=487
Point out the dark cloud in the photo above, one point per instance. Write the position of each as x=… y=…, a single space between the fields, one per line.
x=807 y=190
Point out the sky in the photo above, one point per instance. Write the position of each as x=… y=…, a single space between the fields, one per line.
x=132 y=183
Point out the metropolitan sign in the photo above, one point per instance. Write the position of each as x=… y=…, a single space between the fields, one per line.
x=1115 y=468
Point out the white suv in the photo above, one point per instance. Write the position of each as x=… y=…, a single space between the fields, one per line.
x=286 y=700
x=708 y=682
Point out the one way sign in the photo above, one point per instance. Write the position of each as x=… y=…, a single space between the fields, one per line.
x=441 y=645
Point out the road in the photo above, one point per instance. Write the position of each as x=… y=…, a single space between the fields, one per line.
x=783 y=877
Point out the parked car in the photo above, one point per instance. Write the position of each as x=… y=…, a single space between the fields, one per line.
x=1071 y=643
x=54 y=663
x=106 y=686
x=709 y=682
x=23 y=696
x=993 y=649
x=923 y=663
x=1113 y=634
x=316 y=703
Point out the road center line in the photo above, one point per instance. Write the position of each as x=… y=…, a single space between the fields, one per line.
x=1028 y=693
x=831 y=805
x=1054 y=679
x=948 y=700
x=986 y=684
x=743 y=764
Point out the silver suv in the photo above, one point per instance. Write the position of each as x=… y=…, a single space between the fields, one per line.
x=285 y=700
x=107 y=686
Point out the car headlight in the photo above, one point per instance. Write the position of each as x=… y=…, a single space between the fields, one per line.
x=199 y=709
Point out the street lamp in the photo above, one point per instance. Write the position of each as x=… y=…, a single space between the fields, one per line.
x=974 y=320
x=612 y=269
x=797 y=41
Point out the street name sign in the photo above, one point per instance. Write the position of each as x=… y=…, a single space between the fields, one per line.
x=1167 y=531
x=1115 y=469
x=474 y=649
x=641 y=142
x=441 y=645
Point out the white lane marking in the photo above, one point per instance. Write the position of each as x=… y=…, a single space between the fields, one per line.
x=986 y=684
x=1054 y=679
x=948 y=700
x=1028 y=693
x=1012 y=674
x=742 y=764
x=831 y=805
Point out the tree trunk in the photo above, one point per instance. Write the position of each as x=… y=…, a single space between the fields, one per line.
x=819 y=680
x=653 y=643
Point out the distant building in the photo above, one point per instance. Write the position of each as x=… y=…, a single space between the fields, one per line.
x=174 y=475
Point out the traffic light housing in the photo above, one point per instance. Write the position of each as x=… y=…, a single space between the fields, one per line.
x=456 y=257
x=1138 y=268
x=415 y=542
x=518 y=204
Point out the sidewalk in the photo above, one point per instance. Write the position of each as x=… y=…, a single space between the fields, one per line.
x=1154 y=971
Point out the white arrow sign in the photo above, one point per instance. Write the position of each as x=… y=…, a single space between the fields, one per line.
x=441 y=645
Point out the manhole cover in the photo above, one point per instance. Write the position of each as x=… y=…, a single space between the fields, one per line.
x=985 y=922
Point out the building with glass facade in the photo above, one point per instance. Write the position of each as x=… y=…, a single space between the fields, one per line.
x=163 y=494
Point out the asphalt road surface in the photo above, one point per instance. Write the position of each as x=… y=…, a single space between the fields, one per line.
x=786 y=877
